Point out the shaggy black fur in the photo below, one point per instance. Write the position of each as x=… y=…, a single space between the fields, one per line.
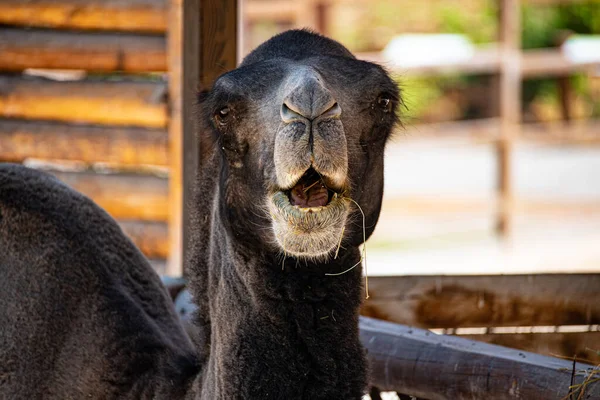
x=82 y=313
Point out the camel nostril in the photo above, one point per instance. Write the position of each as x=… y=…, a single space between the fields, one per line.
x=288 y=114
x=335 y=111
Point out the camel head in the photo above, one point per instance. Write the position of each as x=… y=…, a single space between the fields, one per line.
x=301 y=127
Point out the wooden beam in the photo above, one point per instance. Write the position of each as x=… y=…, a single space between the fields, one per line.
x=202 y=45
x=150 y=237
x=113 y=15
x=439 y=367
x=557 y=132
x=533 y=63
x=21 y=49
x=96 y=102
x=551 y=62
x=487 y=130
x=21 y=140
x=484 y=61
x=582 y=345
x=485 y=301
x=480 y=130
x=127 y=15
x=123 y=196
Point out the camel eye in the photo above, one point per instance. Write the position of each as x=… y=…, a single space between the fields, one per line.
x=384 y=103
x=223 y=115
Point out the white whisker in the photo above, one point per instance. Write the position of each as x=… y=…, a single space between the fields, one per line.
x=363 y=256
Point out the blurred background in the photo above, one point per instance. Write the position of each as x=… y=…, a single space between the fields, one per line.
x=492 y=182
x=455 y=202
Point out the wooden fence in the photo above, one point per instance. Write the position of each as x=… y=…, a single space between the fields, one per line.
x=417 y=362
x=555 y=315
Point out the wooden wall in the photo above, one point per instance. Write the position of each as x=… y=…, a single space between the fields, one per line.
x=115 y=121
x=114 y=114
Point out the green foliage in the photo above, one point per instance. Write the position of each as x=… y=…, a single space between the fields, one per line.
x=542 y=28
x=418 y=94
x=480 y=27
x=541 y=25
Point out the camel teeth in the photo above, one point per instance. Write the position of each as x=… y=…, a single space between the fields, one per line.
x=309 y=209
x=314 y=209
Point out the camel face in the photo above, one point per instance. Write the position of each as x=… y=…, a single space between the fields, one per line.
x=302 y=131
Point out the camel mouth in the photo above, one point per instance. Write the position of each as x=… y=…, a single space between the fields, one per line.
x=311 y=192
x=308 y=219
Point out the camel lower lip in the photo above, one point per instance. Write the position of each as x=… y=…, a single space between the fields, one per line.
x=308 y=231
x=292 y=212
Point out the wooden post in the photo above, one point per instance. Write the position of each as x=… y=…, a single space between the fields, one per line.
x=564 y=82
x=321 y=9
x=202 y=44
x=306 y=15
x=510 y=107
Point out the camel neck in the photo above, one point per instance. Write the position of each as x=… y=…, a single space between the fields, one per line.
x=284 y=331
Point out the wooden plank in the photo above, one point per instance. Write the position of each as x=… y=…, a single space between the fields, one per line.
x=150 y=237
x=20 y=140
x=113 y=15
x=96 y=102
x=484 y=61
x=533 y=63
x=479 y=130
x=487 y=130
x=551 y=62
x=21 y=49
x=558 y=132
x=124 y=196
x=201 y=46
x=439 y=367
x=485 y=301
x=584 y=345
